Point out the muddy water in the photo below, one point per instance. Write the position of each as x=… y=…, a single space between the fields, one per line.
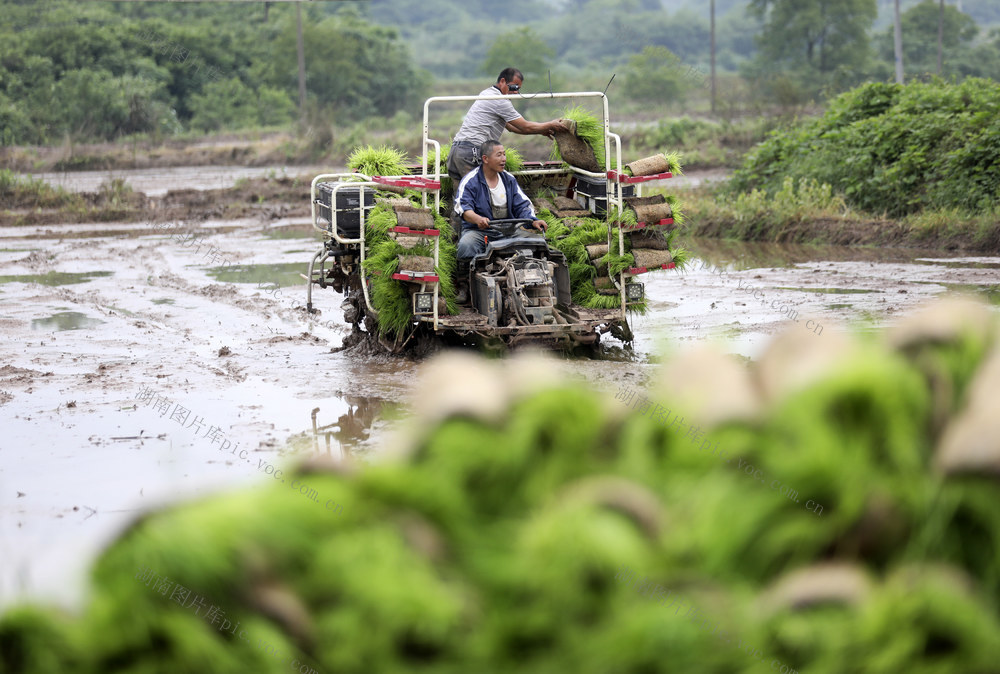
x=138 y=366
x=156 y=181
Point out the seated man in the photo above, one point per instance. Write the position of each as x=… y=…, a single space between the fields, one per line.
x=489 y=193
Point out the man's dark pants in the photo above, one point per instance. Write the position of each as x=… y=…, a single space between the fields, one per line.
x=462 y=158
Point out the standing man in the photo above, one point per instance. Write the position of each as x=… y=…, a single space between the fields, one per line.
x=487 y=119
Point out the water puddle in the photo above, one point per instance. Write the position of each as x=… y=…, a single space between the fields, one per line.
x=66 y=320
x=962 y=263
x=124 y=312
x=284 y=274
x=990 y=293
x=56 y=278
x=293 y=232
x=831 y=291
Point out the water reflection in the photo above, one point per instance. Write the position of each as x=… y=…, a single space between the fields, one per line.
x=740 y=255
x=350 y=429
x=65 y=320
x=56 y=278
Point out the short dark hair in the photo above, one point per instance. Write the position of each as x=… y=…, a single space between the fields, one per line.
x=509 y=74
x=487 y=147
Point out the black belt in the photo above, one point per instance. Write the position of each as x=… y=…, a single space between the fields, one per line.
x=464 y=142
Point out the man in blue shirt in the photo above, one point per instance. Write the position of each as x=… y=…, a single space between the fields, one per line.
x=484 y=194
x=489 y=193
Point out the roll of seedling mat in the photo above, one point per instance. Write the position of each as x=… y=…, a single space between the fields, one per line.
x=648 y=166
x=650 y=210
x=649 y=258
x=573 y=150
x=597 y=250
x=649 y=238
x=413 y=217
x=421 y=263
x=664 y=162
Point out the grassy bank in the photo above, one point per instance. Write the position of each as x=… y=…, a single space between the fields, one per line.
x=809 y=212
x=705 y=143
x=33 y=202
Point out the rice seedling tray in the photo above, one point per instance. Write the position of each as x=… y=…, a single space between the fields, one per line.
x=643 y=225
x=413 y=182
x=418 y=232
x=416 y=276
x=635 y=271
x=627 y=179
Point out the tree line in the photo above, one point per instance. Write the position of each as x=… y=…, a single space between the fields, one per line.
x=86 y=71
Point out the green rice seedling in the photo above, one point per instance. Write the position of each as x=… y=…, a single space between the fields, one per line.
x=674 y=162
x=515 y=162
x=948 y=625
x=624 y=216
x=602 y=536
x=378 y=161
x=390 y=297
x=428 y=160
x=555 y=229
x=676 y=209
x=40 y=641
x=618 y=263
x=681 y=258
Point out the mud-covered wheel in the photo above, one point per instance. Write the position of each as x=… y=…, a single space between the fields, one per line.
x=371 y=323
x=620 y=330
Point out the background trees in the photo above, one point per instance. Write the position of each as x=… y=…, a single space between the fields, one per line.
x=82 y=71
x=102 y=71
x=818 y=43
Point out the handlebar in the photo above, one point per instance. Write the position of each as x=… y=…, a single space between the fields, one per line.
x=508 y=226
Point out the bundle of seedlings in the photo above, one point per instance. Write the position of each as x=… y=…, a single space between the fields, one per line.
x=588 y=237
x=515 y=161
x=582 y=142
x=378 y=161
x=390 y=297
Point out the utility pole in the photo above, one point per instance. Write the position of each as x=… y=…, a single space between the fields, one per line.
x=302 y=62
x=712 y=49
x=898 y=44
x=940 y=36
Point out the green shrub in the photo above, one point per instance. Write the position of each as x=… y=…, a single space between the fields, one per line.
x=892 y=148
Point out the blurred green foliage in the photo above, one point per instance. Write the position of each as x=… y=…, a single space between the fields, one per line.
x=491 y=542
x=656 y=76
x=523 y=49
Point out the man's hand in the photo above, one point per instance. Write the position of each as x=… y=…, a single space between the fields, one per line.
x=474 y=218
x=539 y=225
x=554 y=126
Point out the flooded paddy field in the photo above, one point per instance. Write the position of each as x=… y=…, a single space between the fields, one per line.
x=143 y=364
